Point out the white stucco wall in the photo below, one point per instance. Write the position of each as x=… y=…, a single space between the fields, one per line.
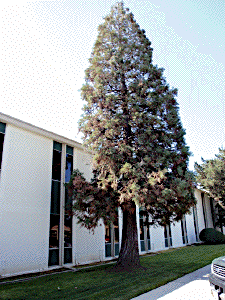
x=176 y=234
x=201 y=223
x=25 y=190
x=190 y=228
x=82 y=161
x=208 y=211
x=88 y=247
x=157 y=238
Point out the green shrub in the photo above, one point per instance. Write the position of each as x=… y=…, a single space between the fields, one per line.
x=212 y=236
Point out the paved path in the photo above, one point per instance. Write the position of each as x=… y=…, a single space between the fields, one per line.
x=191 y=286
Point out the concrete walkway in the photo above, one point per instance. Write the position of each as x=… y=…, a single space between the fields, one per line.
x=191 y=286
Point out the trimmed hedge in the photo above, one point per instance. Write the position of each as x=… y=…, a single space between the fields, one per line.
x=212 y=236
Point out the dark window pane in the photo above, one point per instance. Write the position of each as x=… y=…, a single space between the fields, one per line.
x=107 y=234
x=141 y=229
x=149 y=244
x=55 y=197
x=57 y=146
x=67 y=255
x=141 y=213
x=108 y=241
x=69 y=150
x=2 y=127
x=108 y=250
x=186 y=231
x=54 y=231
x=142 y=245
x=169 y=230
x=116 y=234
x=68 y=201
x=195 y=224
x=1 y=147
x=53 y=257
x=69 y=167
x=117 y=249
x=182 y=231
x=166 y=243
x=68 y=231
x=148 y=232
x=170 y=236
x=165 y=232
x=56 y=165
x=166 y=236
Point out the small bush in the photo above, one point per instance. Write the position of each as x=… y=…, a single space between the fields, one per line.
x=212 y=236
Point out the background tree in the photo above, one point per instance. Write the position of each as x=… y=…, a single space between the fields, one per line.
x=132 y=125
x=211 y=176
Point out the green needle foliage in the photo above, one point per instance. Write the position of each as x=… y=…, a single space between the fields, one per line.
x=211 y=176
x=131 y=124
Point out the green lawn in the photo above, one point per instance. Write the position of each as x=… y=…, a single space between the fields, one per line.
x=96 y=283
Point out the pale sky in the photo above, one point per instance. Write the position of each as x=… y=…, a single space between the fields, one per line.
x=46 y=46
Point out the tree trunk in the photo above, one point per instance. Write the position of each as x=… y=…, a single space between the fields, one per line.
x=129 y=255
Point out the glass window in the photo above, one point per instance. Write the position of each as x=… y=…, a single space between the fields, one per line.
x=68 y=201
x=55 y=197
x=69 y=167
x=195 y=217
x=142 y=229
x=182 y=230
x=148 y=238
x=108 y=241
x=116 y=232
x=57 y=146
x=67 y=255
x=56 y=165
x=53 y=259
x=1 y=147
x=69 y=150
x=2 y=127
x=68 y=231
x=54 y=231
x=168 y=236
x=116 y=236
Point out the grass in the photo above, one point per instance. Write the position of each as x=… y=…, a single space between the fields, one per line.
x=96 y=283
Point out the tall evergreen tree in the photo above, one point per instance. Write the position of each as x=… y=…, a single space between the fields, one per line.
x=132 y=125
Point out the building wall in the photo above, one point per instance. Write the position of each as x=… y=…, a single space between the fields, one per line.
x=190 y=228
x=203 y=206
x=157 y=238
x=176 y=235
x=82 y=161
x=25 y=189
x=208 y=211
x=25 y=195
x=88 y=246
x=201 y=222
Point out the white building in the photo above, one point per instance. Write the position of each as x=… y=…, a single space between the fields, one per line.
x=36 y=233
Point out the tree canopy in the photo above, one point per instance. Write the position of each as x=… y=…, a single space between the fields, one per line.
x=131 y=124
x=211 y=176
